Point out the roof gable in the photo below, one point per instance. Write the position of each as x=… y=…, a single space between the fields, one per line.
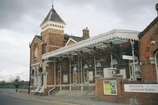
x=148 y=27
x=77 y=39
x=39 y=38
x=70 y=42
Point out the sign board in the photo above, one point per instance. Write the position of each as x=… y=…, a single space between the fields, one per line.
x=127 y=57
x=110 y=87
x=108 y=72
x=142 y=88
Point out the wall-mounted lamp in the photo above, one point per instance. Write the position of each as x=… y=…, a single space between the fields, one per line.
x=153 y=42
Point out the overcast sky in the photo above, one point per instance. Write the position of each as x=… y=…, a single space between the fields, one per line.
x=20 y=20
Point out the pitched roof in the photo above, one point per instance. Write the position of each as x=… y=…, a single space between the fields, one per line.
x=148 y=27
x=53 y=16
x=76 y=38
x=38 y=38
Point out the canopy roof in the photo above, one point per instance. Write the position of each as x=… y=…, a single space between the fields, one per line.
x=116 y=36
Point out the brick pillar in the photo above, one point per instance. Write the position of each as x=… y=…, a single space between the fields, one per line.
x=97 y=86
x=119 y=87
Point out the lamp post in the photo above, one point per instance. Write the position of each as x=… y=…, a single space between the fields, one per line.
x=132 y=48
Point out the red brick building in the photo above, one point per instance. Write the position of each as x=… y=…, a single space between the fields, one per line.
x=148 y=46
x=60 y=61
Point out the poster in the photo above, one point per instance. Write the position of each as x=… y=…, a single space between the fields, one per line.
x=110 y=87
x=65 y=78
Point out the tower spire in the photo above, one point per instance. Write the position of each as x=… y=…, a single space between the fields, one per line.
x=52 y=4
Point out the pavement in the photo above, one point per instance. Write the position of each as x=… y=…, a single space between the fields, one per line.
x=63 y=100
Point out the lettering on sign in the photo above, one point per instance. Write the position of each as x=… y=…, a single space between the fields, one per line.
x=143 y=88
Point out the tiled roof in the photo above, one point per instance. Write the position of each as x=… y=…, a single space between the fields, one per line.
x=53 y=16
x=39 y=37
x=76 y=38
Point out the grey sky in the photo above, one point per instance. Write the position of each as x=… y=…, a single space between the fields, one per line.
x=20 y=20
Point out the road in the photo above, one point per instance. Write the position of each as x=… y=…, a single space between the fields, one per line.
x=7 y=98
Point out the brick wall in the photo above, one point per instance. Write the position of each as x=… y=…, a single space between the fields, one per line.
x=147 y=50
x=131 y=98
x=53 y=41
x=39 y=52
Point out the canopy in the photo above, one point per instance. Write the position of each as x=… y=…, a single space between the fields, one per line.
x=116 y=36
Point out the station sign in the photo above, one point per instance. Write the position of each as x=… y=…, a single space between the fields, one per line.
x=142 y=88
x=127 y=57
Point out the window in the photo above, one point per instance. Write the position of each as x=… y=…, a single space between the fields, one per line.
x=75 y=74
x=65 y=78
x=32 y=77
x=115 y=62
x=99 y=69
x=85 y=74
x=35 y=52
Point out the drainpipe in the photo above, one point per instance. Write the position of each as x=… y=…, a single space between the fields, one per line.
x=54 y=77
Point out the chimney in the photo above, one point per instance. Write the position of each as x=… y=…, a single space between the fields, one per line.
x=85 y=33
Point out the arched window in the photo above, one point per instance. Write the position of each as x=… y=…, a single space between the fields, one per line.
x=74 y=74
x=85 y=73
x=33 y=71
x=32 y=76
x=35 y=51
x=99 y=69
x=115 y=62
